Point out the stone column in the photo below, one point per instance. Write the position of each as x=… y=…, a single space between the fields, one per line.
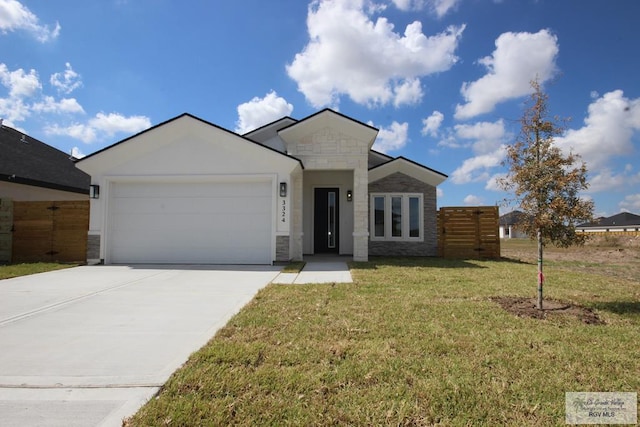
x=295 y=220
x=360 y=214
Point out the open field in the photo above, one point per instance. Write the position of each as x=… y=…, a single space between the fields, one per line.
x=413 y=342
x=614 y=256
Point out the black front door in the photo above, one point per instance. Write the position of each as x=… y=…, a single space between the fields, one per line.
x=325 y=227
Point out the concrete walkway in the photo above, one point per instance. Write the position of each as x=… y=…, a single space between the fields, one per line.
x=318 y=269
x=88 y=346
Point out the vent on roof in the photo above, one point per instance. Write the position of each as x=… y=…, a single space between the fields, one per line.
x=24 y=139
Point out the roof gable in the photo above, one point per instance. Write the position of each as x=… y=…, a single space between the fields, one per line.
x=183 y=127
x=26 y=160
x=332 y=119
x=409 y=168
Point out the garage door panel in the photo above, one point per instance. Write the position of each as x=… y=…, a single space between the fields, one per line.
x=218 y=222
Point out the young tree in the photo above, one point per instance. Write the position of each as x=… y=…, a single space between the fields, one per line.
x=546 y=182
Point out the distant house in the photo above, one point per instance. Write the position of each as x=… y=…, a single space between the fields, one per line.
x=624 y=222
x=31 y=170
x=508 y=225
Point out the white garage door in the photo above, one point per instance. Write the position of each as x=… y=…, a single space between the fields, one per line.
x=201 y=223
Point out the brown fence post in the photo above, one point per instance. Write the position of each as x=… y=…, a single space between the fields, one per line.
x=6 y=225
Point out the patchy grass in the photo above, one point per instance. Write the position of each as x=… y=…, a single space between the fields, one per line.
x=412 y=342
x=294 y=267
x=16 y=270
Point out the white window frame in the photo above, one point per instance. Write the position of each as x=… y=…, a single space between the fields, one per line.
x=405 y=213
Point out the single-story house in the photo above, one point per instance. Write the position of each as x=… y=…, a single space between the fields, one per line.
x=188 y=191
x=622 y=222
x=31 y=170
x=509 y=225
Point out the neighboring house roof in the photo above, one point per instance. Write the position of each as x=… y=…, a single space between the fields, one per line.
x=623 y=219
x=512 y=218
x=407 y=167
x=26 y=160
x=182 y=116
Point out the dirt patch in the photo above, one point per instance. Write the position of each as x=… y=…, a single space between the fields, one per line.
x=526 y=307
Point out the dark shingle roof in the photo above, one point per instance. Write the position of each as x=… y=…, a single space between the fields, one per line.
x=25 y=160
x=619 y=220
x=512 y=218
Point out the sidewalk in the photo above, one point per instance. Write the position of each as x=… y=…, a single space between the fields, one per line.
x=317 y=270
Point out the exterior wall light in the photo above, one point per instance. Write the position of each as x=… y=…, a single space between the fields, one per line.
x=94 y=191
x=283 y=189
x=349 y=195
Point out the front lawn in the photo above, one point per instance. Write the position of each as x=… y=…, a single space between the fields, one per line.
x=412 y=342
x=15 y=270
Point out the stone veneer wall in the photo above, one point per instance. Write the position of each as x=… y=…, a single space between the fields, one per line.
x=327 y=149
x=401 y=183
x=282 y=248
x=93 y=247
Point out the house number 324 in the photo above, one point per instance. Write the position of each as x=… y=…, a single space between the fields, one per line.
x=283 y=211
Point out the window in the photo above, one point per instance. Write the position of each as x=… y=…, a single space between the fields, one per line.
x=397 y=217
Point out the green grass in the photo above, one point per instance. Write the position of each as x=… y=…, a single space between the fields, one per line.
x=16 y=270
x=412 y=342
x=294 y=267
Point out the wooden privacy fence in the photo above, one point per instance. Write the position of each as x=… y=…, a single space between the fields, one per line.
x=48 y=231
x=469 y=232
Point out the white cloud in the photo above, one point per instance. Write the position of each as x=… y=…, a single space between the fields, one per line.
x=101 y=125
x=488 y=141
x=261 y=111
x=14 y=109
x=472 y=200
x=517 y=59
x=493 y=182
x=83 y=132
x=631 y=203
x=391 y=138
x=442 y=7
x=439 y=7
x=75 y=152
x=439 y=192
x=113 y=123
x=477 y=168
x=407 y=93
x=351 y=54
x=608 y=130
x=20 y=83
x=65 y=105
x=431 y=124
x=15 y=16
x=487 y=136
x=66 y=81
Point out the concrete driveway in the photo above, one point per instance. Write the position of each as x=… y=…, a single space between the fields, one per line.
x=89 y=345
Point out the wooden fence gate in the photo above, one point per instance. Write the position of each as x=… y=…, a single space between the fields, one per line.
x=50 y=231
x=469 y=232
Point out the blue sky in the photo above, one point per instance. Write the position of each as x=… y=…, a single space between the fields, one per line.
x=445 y=81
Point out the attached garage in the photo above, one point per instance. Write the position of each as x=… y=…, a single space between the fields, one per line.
x=216 y=222
x=188 y=192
